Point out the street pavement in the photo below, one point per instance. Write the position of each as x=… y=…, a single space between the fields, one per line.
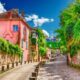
x=58 y=70
x=20 y=73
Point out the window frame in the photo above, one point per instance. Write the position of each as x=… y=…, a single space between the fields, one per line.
x=15 y=28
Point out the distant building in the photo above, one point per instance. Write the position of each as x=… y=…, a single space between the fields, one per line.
x=48 y=39
x=14 y=29
x=51 y=39
x=34 y=45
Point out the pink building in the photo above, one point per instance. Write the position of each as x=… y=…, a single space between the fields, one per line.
x=14 y=29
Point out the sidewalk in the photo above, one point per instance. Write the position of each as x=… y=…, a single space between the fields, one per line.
x=22 y=72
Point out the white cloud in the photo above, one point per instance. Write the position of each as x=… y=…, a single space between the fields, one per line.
x=31 y=17
x=2 y=9
x=38 y=21
x=34 y=16
x=45 y=33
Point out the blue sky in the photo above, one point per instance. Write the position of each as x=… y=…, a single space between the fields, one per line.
x=48 y=10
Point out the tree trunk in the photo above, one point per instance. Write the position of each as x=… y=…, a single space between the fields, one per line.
x=68 y=58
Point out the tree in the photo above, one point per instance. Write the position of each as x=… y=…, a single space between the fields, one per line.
x=69 y=32
x=62 y=40
x=53 y=44
x=41 y=42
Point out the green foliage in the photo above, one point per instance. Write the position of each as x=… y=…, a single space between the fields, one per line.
x=42 y=51
x=53 y=45
x=3 y=45
x=8 y=48
x=62 y=42
x=41 y=42
x=18 y=51
x=70 y=27
x=76 y=32
x=73 y=50
x=33 y=41
x=63 y=49
x=69 y=31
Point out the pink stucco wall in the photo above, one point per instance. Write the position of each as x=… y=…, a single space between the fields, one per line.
x=25 y=43
x=6 y=32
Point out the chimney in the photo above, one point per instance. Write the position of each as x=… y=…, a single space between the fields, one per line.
x=15 y=10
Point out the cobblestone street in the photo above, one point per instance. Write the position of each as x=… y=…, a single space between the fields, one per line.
x=58 y=70
x=22 y=72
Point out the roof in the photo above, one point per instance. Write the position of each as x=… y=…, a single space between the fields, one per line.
x=13 y=15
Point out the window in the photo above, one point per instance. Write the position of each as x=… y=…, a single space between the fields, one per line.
x=15 y=28
x=24 y=33
x=22 y=43
x=33 y=35
x=26 y=45
x=24 y=30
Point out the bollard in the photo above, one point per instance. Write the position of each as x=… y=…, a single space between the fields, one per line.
x=36 y=70
x=2 y=69
x=7 y=66
x=21 y=62
x=32 y=78
x=34 y=74
x=24 y=62
x=40 y=63
x=16 y=63
x=12 y=65
x=37 y=67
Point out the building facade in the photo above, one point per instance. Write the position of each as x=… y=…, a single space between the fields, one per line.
x=14 y=29
x=34 y=45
